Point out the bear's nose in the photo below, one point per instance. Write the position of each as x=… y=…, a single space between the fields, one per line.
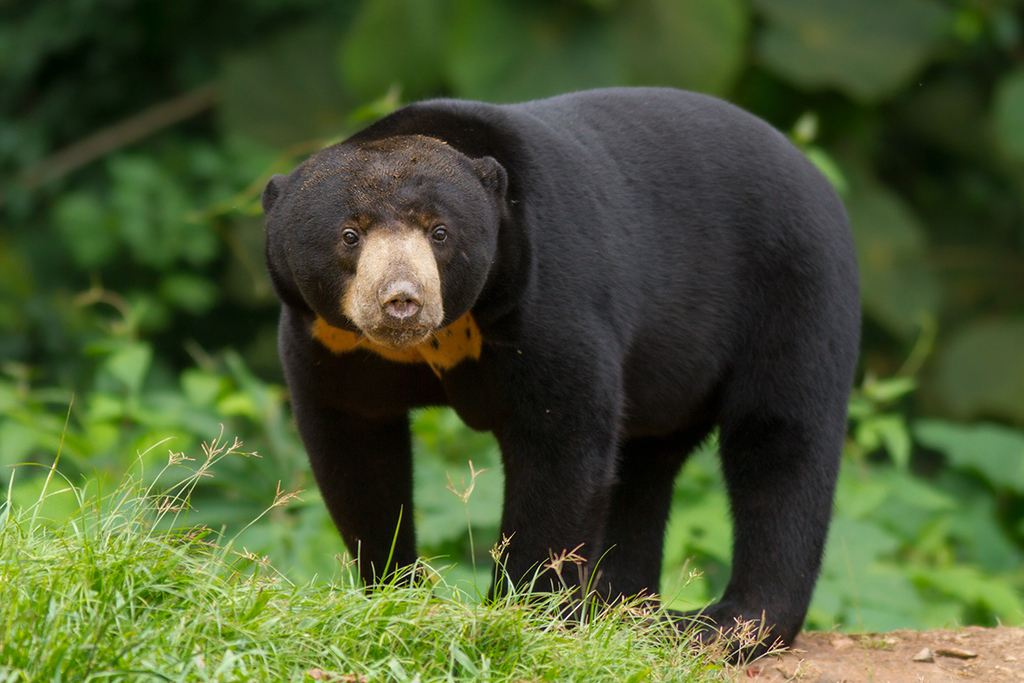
x=401 y=299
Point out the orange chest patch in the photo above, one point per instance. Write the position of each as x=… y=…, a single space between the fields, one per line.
x=448 y=347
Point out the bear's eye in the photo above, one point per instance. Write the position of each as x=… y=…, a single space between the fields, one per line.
x=439 y=234
x=350 y=237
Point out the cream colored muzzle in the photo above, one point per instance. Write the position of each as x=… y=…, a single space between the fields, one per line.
x=395 y=296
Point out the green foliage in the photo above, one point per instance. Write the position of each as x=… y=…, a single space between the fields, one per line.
x=506 y=51
x=867 y=49
x=981 y=369
x=898 y=286
x=1009 y=111
x=992 y=452
x=127 y=587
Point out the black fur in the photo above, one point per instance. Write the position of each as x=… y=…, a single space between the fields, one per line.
x=655 y=263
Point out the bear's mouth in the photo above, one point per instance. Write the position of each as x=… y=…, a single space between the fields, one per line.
x=398 y=338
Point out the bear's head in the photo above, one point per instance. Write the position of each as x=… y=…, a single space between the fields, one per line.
x=393 y=237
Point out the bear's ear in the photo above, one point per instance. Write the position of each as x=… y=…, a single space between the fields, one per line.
x=271 y=192
x=492 y=175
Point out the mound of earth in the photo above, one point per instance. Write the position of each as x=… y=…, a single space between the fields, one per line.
x=972 y=653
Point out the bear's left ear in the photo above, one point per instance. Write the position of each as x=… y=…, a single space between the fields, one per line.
x=271 y=191
x=492 y=175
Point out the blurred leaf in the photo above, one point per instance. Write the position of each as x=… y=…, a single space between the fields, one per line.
x=897 y=283
x=917 y=513
x=17 y=440
x=889 y=389
x=993 y=451
x=981 y=536
x=866 y=48
x=16 y=285
x=858 y=584
x=57 y=502
x=285 y=90
x=951 y=111
x=888 y=430
x=504 y=51
x=1009 y=114
x=881 y=599
x=690 y=44
x=151 y=212
x=202 y=388
x=237 y=403
x=981 y=370
x=857 y=495
x=189 y=292
x=104 y=407
x=853 y=545
x=920 y=494
x=969 y=585
x=443 y=446
x=701 y=526
x=86 y=227
x=130 y=365
x=828 y=167
x=396 y=41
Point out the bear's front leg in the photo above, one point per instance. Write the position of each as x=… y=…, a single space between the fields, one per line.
x=359 y=449
x=559 y=445
x=363 y=469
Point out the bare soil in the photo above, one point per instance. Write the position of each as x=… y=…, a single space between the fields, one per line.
x=973 y=653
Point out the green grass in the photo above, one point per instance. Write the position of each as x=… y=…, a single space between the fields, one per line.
x=124 y=589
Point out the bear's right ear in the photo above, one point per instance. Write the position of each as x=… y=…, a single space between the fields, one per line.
x=271 y=192
x=492 y=175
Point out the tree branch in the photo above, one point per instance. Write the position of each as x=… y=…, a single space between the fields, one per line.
x=121 y=134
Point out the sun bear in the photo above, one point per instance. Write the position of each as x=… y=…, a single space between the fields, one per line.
x=601 y=279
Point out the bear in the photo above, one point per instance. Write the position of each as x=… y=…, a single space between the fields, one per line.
x=602 y=279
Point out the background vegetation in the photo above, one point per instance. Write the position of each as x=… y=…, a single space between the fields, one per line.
x=135 y=317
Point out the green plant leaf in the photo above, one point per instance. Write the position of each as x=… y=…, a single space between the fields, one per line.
x=949 y=109
x=130 y=365
x=202 y=388
x=189 y=292
x=853 y=545
x=508 y=52
x=898 y=285
x=396 y=42
x=17 y=440
x=981 y=370
x=888 y=430
x=87 y=228
x=889 y=389
x=992 y=451
x=866 y=48
x=824 y=162
x=982 y=537
x=971 y=586
x=1008 y=110
x=695 y=45
x=701 y=526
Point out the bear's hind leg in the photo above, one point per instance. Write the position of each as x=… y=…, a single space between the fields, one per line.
x=780 y=468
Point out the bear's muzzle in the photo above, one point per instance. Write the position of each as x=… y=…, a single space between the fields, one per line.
x=395 y=296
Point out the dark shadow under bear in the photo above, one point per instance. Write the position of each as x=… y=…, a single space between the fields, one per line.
x=600 y=279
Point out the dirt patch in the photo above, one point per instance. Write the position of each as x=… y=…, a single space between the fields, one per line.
x=984 y=655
